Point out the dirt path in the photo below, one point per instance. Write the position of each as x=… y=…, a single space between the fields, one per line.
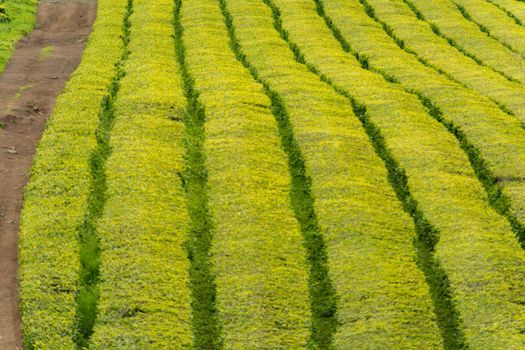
x=29 y=86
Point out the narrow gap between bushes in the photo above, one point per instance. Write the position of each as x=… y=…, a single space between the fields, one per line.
x=88 y=295
x=323 y=299
x=205 y=322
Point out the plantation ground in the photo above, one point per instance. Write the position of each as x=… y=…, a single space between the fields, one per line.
x=265 y=174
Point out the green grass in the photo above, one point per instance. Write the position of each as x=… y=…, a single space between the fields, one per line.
x=4 y=17
x=12 y=101
x=46 y=52
x=16 y=20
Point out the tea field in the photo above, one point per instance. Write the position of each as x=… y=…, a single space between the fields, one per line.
x=282 y=174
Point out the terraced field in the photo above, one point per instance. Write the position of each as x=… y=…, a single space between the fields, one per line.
x=281 y=174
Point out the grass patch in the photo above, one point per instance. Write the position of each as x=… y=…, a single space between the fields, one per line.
x=17 y=18
x=46 y=52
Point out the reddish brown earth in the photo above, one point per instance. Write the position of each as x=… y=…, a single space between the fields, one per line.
x=28 y=89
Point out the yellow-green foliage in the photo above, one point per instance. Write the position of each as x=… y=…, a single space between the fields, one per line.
x=144 y=296
x=477 y=249
x=516 y=8
x=258 y=255
x=467 y=35
x=368 y=236
x=16 y=21
x=56 y=196
x=501 y=26
x=499 y=137
x=418 y=37
x=257 y=250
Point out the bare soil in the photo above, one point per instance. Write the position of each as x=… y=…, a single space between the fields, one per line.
x=34 y=77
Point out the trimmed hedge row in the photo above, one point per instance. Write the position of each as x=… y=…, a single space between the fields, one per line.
x=17 y=21
x=57 y=194
x=257 y=251
x=476 y=247
x=144 y=290
x=417 y=37
x=371 y=259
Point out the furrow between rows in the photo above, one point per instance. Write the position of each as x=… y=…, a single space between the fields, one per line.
x=427 y=236
x=367 y=234
x=205 y=323
x=88 y=237
x=440 y=179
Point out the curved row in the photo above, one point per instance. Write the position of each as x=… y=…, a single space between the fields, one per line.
x=514 y=9
x=236 y=196
x=495 y=21
x=480 y=124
